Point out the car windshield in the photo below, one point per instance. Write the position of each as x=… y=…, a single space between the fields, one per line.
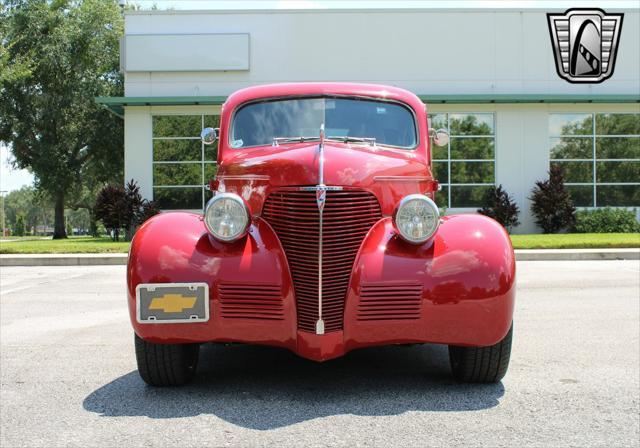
x=290 y=120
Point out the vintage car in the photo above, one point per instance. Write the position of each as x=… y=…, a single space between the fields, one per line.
x=322 y=236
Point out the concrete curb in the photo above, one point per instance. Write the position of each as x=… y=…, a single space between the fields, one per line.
x=62 y=259
x=577 y=254
x=121 y=259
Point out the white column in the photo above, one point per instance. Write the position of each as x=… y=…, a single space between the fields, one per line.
x=522 y=155
x=138 y=148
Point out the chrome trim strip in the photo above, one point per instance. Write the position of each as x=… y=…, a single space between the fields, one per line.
x=321 y=196
x=321 y=187
x=402 y=179
x=243 y=177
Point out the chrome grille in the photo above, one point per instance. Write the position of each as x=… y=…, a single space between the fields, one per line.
x=348 y=215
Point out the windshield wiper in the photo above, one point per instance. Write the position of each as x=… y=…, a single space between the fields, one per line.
x=278 y=140
x=349 y=139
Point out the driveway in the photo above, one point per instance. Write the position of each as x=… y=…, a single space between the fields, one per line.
x=68 y=374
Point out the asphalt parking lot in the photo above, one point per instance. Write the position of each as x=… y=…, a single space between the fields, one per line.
x=68 y=374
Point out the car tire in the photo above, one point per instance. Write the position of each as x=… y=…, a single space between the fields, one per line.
x=166 y=364
x=481 y=364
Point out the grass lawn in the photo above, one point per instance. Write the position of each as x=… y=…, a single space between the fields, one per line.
x=576 y=241
x=85 y=244
x=73 y=245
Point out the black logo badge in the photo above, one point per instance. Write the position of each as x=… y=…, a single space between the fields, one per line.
x=585 y=43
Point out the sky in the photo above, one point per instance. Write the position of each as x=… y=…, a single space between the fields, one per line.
x=400 y=4
x=11 y=179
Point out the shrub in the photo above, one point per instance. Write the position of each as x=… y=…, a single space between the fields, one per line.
x=110 y=209
x=607 y=220
x=123 y=208
x=501 y=207
x=551 y=203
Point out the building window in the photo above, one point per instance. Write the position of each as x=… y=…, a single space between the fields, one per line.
x=600 y=155
x=466 y=166
x=182 y=165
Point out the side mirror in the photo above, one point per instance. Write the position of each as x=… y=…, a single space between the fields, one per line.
x=209 y=135
x=440 y=137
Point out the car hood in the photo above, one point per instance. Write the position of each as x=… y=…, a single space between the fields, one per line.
x=388 y=173
x=344 y=164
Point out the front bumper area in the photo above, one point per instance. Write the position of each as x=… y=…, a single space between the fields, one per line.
x=457 y=289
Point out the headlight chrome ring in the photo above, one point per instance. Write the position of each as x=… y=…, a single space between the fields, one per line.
x=416 y=218
x=227 y=217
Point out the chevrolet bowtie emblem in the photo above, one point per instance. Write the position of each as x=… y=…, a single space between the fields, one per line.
x=173 y=303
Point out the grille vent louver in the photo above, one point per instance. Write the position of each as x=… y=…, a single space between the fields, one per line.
x=251 y=301
x=348 y=216
x=382 y=302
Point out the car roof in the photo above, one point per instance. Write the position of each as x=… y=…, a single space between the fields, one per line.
x=324 y=89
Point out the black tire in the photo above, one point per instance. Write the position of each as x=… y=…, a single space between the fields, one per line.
x=166 y=364
x=481 y=364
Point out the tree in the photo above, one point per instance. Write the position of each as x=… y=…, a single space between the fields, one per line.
x=35 y=208
x=18 y=228
x=501 y=207
x=56 y=57
x=551 y=203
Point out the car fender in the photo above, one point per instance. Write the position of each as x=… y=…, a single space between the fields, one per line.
x=467 y=273
x=175 y=247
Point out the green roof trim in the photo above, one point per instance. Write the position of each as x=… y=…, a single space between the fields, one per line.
x=116 y=104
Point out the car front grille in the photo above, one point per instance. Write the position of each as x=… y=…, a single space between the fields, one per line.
x=348 y=215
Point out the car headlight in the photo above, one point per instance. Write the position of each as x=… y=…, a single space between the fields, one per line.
x=227 y=217
x=416 y=218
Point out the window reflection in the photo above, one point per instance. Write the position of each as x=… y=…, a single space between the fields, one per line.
x=182 y=165
x=600 y=155
x=466 y=166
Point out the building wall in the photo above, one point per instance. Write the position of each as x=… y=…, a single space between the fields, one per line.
x=424 y=51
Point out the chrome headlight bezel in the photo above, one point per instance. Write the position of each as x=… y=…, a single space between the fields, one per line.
x=430 y=205
x=216 y=200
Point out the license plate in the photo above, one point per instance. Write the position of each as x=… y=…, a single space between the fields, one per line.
x=172 y=303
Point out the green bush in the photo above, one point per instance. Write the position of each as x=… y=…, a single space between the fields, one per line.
x=606 y=220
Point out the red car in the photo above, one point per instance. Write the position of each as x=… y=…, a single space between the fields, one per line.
x=322 y=236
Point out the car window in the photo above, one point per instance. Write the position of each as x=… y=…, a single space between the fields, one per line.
x=259 y=123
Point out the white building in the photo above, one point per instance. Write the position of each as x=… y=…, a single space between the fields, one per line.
x=496 y=65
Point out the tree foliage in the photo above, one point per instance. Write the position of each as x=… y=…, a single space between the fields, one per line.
x=551 y=203
x=56 y=57
x=501 y=207
x=35 y=208
x=18 y=227
x=123 y=209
